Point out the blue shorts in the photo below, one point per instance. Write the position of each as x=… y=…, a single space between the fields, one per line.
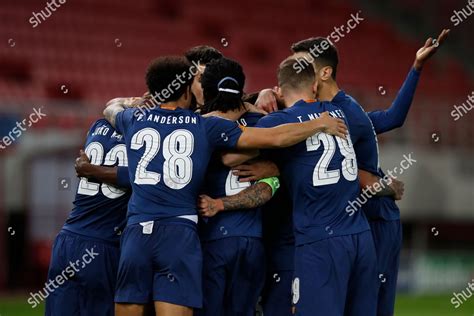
x=388 y=243
x=162 y=263
x=336 y=276
x=233 y=276
x=87 y=269
x=276 y=296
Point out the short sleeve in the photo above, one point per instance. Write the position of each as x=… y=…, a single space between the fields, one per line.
x=222 y=133
x=123 y=120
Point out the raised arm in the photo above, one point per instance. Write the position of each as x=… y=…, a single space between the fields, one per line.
x=396 y=115
x=117 y=105
x=287 y=135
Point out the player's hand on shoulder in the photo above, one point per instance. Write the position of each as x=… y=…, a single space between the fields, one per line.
x=398 y=187
x=429 y=49
x=256 y=170
x=82 y=165
x=267 y=101
x=209 y=207
x=333 y=126
x=127 y=102
x=254 y=109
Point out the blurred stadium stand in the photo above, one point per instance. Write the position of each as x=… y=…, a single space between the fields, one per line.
x=88 y=52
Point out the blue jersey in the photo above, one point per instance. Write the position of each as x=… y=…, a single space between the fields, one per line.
x=322 y=177
x=381 y=207
x=277 y=219
x=168 y=153
x=221 y=182
x=362 y=132
x=364 y=138
x=100 y=209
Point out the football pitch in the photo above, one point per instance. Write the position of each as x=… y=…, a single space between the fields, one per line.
x=407 y=305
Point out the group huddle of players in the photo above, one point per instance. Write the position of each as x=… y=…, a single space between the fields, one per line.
x=183 y=203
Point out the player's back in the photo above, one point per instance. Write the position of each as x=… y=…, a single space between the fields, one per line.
x=169 y=151
x=220 y=182
x=322 y=176
x=99 y=208
x=363 y=136
x=366 y=148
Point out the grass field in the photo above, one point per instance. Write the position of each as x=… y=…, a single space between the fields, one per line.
x=439 y=305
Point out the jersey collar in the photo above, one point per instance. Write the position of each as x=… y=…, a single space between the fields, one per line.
x=304 y=102
x=339 y=97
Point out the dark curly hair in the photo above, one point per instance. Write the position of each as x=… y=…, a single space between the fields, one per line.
x=202 y=54
x=163 y=72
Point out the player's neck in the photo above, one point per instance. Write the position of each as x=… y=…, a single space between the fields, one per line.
x=328 y=91
x=291 y=98
x=173 y=105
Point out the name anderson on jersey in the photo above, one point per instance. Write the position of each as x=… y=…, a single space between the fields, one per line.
x=182 y=119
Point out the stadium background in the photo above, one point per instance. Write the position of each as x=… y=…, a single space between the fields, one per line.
x=87 y=52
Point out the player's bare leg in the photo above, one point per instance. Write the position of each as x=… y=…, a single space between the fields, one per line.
x=129 y=309
x=168 y=309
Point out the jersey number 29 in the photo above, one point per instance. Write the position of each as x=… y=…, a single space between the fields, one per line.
x=321 y=174
x=95 y=152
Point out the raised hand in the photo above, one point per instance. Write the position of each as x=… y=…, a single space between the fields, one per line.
x=267 y=101
x=429 y=49
x=82 y=165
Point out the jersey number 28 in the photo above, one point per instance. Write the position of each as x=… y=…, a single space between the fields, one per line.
x=177 y=149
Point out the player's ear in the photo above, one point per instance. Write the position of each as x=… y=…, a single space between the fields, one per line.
x=187 y=93
x=325 y=73
x=278 y=92
x=315 y=88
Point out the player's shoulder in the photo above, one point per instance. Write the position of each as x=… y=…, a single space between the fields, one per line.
x=253 y=115
x=275 y=118
x=349 y=105
x=210 y=118
x=342 y=96
x=282 y=114
x=101 y=123
x=250 y=118
x=102 y=129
